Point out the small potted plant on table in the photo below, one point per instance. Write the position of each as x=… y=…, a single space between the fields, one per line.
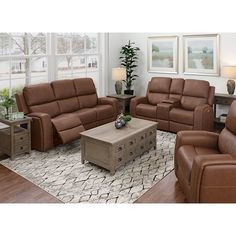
x=6 y=101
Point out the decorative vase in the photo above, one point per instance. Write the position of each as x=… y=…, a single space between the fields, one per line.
x=118 y=87
x=129 y=92
x=118 y=124
x=230 y=86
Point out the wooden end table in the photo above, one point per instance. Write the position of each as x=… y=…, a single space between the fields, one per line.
x=15 y=139
x=222 y=99
x=124 y=100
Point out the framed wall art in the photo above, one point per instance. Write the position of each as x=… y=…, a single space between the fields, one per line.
x=201 y=54
x=163 y=54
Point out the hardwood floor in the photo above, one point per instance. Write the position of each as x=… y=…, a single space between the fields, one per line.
x=16 y=189
x=165 y=191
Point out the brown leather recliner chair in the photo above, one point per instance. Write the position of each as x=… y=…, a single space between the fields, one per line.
x=176 y=104
x=62 y=109
x=205 y=163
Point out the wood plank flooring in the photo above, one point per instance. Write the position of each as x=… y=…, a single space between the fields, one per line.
x=165 y=191
x=16 y=189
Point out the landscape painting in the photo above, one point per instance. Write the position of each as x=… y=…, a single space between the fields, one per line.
x=162 y=54
x=201 y=55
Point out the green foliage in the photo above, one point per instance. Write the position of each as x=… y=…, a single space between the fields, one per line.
x=126 y=118
x=6 y=100
x=129 y=60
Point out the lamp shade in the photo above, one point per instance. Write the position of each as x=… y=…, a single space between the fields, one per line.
x=118 y=74
x=228 y=71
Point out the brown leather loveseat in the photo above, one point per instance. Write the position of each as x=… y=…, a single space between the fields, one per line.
x=176 y=104
x=62 y=109
x=205 y=163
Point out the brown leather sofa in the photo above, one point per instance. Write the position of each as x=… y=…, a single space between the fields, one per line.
x=205 y=163
x=176 y=104
x=62 y=109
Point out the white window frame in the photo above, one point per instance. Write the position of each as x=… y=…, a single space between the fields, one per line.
x=51 y=56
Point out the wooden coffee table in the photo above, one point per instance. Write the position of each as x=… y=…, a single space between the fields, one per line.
x=111 y=148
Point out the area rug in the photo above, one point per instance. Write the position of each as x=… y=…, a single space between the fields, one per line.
x=60 y=172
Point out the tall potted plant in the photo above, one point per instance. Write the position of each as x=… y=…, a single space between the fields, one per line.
x=129 y=58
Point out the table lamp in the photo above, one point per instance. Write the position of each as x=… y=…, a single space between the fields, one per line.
x=118 y=74
x=229 y=72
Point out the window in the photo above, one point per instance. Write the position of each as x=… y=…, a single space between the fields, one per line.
x=30 y=58
x=23 y=59
x=78 y=56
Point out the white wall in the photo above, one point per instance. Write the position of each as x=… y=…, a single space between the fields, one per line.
x=116 y=41
x=227 y=57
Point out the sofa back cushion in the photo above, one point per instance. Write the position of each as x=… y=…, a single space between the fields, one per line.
x=40 y=98
x=176 y=88
x=86 y=92
x=227 y=138
x=65 y=94
x=38 y=94
x=195 y=93
x=159 y=89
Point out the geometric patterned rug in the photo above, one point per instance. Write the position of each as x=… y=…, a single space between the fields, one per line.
x=59 y=172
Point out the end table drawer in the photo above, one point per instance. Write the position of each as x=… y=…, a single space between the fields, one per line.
x=19 y=149
x=21 y=138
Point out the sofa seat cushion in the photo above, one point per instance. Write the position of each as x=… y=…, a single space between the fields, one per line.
x=104 y=111
x=181 y=116
x=146 y=110
x=68 y=126
x=87 y=115
x=187 y=153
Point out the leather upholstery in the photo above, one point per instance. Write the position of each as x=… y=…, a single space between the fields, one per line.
x=62 y=109
x=86 y=92
x=146 y=110
x=64 y=91
x=178 y=106
x=205 y=163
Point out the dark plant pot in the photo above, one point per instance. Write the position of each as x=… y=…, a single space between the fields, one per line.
x=129 y=92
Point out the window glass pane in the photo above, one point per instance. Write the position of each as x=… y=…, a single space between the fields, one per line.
x=64 y=66
x=19 y=68
x=39 y=70
x=19 y=45
x=92 y=63
x=4 y=44
x=63 y=45
x=78 y=44
x=4 y=70
x=38 y=45
x=91 y=41
x=79 y=66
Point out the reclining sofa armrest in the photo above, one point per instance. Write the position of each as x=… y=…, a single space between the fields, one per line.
x=195 y=137
x=134 y=102
x=212 y=176
x=110 y=101
x=203 y=118
x=198 y=138
x=41 y=131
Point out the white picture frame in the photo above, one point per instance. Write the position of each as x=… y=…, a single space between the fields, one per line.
x=163 y=54
x=201 y=54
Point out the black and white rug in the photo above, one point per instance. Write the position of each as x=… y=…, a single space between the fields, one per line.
x=60 y=172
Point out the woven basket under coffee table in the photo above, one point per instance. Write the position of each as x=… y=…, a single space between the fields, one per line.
x=111 y=148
